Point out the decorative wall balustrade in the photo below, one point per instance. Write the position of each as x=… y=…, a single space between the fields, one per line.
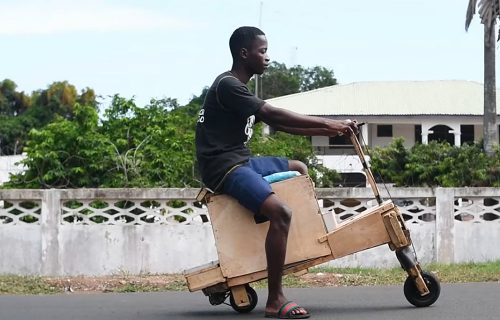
x=418 y=205
x=100 y=231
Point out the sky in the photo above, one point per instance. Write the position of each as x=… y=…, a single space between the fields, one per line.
x=145 y=49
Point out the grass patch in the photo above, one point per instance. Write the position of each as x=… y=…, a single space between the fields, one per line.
x=361 y=276
x=467 y=272
x=317 y=277
x=289 y=281
x=446 y=273
x=12 y=284
x=177 y=285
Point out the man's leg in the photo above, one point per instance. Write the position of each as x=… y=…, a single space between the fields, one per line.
x=279 y=217
x=247 y=186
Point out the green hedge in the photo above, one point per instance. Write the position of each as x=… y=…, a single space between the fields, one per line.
x=436 y=164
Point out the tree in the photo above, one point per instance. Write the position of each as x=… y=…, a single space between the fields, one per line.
x=19 y=112
x=390 y=162
x=279 y=80
x=58 y=99
x=12 y=102
x=66 y=154
x=314 y=78
x=436 y=164
x=153 y=145
x=13 y=105
x=12 y=133
x=489 y=12
x=132 y=146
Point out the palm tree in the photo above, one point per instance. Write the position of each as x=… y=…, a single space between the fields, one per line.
x=489 y=12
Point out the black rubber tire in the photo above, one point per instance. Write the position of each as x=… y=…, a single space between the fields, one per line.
x=414 y=297
x=252 y=296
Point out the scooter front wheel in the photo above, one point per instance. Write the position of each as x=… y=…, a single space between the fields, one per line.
x=413 y=295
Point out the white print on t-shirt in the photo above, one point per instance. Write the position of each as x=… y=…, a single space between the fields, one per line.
x=249 y=128
x=201 y=115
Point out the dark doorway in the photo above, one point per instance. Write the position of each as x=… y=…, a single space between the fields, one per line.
x=442 y=134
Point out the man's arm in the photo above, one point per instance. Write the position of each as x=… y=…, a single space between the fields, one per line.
x=295 y=123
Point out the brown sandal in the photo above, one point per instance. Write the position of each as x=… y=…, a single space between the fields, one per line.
x=286 y=312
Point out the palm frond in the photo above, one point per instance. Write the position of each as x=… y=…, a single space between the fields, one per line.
x=489 y=12
x=471 y=10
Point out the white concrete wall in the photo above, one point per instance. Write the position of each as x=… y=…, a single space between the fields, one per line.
x=106 y=250
x=54 y=247
x=134 y=249
x=343 y=164
x=478 y=132
x=320 y=141
x=406 y=131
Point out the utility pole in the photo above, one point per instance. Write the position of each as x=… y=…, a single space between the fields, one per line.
x=257 y=77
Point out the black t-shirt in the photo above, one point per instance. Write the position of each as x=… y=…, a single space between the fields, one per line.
x=224 y=127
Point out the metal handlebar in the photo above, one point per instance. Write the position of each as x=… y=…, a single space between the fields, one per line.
x=368 y=172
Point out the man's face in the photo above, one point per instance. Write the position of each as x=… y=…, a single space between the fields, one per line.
x=256 y=57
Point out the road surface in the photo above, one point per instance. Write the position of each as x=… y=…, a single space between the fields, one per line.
x=457 y=302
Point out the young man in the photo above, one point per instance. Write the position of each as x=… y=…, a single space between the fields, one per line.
x=225 y=126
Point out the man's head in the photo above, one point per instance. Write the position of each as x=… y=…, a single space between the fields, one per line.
x=249 y=47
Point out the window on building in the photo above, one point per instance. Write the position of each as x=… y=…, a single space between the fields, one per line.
x=418 y=133
x=339 y=141
x=384 y=130
x=467 y=133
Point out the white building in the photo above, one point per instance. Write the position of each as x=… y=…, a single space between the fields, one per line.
x=418 y=111
x=10 y=165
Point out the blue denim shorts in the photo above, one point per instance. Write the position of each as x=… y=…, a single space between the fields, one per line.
x=247 y=185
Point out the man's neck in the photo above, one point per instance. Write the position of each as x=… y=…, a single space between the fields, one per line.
x=240 y=73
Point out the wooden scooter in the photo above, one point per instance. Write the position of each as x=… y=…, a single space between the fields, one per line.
x=240 y=243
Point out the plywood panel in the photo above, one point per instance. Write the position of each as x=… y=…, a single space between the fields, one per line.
x=240 y=241
x=288 y=269
x=204 y=278
x=366 y=230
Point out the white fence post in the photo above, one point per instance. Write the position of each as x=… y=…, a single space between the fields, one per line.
x=445 y=225
x=49 y=223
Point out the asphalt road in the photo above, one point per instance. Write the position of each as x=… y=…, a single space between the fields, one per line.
x=457 y=302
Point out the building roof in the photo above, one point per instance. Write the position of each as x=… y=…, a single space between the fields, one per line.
x=451 y=97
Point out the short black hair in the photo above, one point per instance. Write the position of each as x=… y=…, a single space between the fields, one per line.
x=242 y=38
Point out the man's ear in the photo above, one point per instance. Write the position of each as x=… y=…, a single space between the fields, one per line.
x=243 y=53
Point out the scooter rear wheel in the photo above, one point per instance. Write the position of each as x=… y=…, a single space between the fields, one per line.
x=413 y=295
x=252 y=296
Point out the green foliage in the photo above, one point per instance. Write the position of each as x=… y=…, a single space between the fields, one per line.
x=281 y=144
x=132 y=147
x=390 y=162
x=12 y=102
x=494 y=169
x=65 y=154
x=436 y=164
x=154 y=145
x=151 y=146
x=11 y=132
x=322 y=176
x=13 y=105
x=19 y=113
x=314 y=78
x=278 y=80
